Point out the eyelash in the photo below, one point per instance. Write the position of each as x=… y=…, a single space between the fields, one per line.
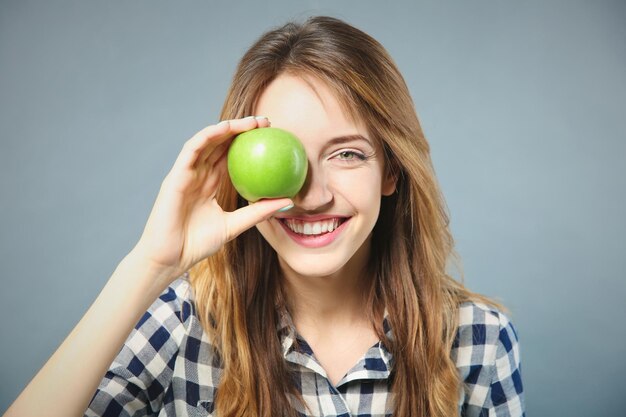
x=353 y=154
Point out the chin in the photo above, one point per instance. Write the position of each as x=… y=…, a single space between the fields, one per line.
x=313 y=265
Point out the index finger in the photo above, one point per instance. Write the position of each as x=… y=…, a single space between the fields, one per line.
x=234 y=127
x=202 y=144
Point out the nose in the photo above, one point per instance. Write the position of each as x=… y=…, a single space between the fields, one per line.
x=315 y=192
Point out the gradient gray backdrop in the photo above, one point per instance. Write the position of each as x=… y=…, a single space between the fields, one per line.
x=523 y=103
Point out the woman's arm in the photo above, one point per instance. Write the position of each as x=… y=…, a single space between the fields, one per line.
x=66 y=383
x=185 y=226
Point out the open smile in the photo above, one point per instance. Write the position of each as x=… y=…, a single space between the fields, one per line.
x=313 y=233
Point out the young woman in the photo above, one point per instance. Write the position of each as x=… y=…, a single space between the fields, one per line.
x=336 y=302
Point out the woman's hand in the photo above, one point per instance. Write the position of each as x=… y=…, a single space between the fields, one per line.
x=187 y=224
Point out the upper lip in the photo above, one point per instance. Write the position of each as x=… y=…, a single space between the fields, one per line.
x=311 y=218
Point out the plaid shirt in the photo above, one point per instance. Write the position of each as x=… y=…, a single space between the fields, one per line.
x=166 y=368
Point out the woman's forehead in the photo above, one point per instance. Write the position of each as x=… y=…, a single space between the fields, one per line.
x=307 y=103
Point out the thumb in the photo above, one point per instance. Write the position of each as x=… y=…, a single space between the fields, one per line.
x=244 y=218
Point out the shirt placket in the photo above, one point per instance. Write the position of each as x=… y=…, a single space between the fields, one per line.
x=321 y=396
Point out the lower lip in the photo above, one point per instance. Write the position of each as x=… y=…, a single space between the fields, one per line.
x=314 y=241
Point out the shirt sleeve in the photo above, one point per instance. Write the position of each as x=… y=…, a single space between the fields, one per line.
x=488 y=358
x=136 y=381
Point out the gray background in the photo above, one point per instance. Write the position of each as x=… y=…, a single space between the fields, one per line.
x=523 y=104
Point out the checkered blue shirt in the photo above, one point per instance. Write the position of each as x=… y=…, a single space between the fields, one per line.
x=166 y=368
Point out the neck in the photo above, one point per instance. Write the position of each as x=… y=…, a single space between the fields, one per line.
x=339 y=298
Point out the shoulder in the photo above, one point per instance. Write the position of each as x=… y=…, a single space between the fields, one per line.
x=159 y=333
x=164 y=324
x=486 y=353
x=175 y=303
x=170 y=316
x=483 y=325
x=142 y=371
x=484 y=334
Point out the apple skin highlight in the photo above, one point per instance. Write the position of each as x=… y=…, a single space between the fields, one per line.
x=267 y=162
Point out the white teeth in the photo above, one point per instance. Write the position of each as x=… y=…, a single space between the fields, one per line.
x=312 y=228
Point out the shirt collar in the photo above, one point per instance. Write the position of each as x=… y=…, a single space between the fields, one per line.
x=377 y=363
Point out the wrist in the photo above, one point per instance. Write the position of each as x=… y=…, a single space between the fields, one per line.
x=142 y=256
x=138 y=277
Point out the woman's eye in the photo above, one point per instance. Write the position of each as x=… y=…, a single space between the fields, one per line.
x=350 y=156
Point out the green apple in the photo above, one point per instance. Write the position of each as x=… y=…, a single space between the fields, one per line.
x=267 y=162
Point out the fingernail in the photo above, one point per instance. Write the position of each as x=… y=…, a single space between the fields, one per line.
x=285 y=208
x=261 y=118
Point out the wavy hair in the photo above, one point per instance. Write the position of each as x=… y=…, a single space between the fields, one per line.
x=238 y=289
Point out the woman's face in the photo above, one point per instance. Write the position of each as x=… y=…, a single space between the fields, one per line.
x=328 y=229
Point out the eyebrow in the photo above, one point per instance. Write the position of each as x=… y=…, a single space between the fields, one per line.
x=348 y=138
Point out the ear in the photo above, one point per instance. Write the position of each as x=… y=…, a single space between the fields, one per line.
x=390 y=180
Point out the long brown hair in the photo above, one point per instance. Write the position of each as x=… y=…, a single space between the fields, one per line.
x=237 y=290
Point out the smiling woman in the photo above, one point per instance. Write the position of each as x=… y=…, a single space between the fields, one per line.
x=336 y=303
x=334 y=191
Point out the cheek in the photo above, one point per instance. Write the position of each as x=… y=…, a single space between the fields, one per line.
x=361 y=187
x=264 y=229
